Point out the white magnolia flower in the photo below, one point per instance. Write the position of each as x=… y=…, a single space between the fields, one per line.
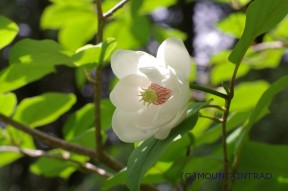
x=152 y=94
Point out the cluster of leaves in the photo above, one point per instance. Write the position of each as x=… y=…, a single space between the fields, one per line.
x=152 y=161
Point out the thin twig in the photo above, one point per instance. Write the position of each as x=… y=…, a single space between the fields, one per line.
x=211 y=118
x=39 y=153
x=215 y=106
x=115 y=8
x=48 y=139
x=207 y=90
x=226 y=185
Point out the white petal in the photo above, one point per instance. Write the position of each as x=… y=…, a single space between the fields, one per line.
x=164 y=131
x=123 y=124
x=172 y=52
x=125 y=94
x=126 y=62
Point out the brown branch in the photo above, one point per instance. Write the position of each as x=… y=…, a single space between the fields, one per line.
x=39 y=153
x=48 y=139
x=114 y=9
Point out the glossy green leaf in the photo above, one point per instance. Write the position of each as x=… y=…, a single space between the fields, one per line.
x=46 y=52
x=8 y=103
x=263 y=158
x=56 y=168
x=8 y=31
x=95 y=54
x=261 y=16
x=148 y=152
x=75 y=32
x=18 y=75
x=237 y=20
x=43 y=109
x=279 y=32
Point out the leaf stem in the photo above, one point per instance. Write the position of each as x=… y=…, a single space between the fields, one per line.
x=226 y=185
x=208 y=90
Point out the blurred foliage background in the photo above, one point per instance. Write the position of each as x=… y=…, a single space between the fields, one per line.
x=208 y=36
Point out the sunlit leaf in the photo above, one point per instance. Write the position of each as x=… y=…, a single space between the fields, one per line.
x=8 y=31
x=43 y=109
x=18 y=75
x=8 y=103
x=95 y=54
x=56 y=168
x=46 y=52
x=237 y=20
x=75 y=32
x=261 y=17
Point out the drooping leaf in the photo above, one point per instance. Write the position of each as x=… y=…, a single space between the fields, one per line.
x=261 y=16
x=8 y=103
x=8 y=31
x=45 y=52
x=18 y=75
x=43 y=109
x=145 y=155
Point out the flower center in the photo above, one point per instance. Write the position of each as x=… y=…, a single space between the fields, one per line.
x=155 y=94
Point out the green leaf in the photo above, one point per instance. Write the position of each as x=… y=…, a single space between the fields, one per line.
x=8 y=103
x=95 y=54
x=162 y=33
x=265 y=59
x=46 y=52
x=53 y=168
x=245 y=96
x=261 y=109
x=149 y=151
x=213 y=134
x=18 y=75
x=266 y=99
x=43 y=109
x=149 y=6
x=8 y=31
x=237 y=20
x=130 y=33
x=263 y=158
x=83 y=119
x=261 y=17
x=76 y=21
x=8 y=157
x=118 y=179
x=85 y=139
